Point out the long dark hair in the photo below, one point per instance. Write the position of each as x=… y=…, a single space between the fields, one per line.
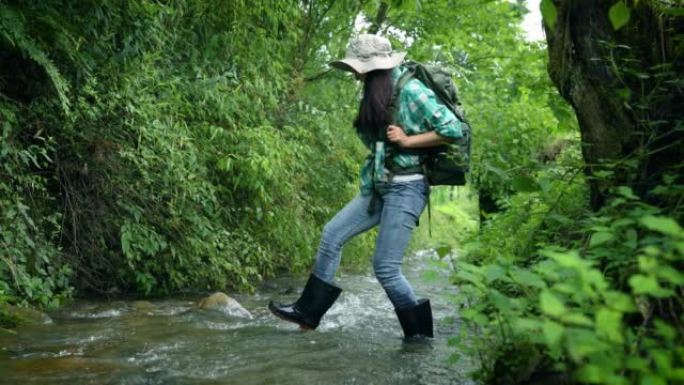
x=374 y=109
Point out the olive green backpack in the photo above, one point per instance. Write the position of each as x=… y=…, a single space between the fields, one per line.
x=447 y=164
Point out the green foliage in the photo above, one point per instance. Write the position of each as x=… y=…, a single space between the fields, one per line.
x=454 y=219
x=13 y=29
x=185 y=148
x=557 y=200
x=154 y=146
x=619 y=14
x=553 y=292
x=162 y=146
x=31 y=269
x=515 y=112
x=604 y=307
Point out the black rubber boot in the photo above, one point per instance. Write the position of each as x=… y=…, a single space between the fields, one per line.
x=307 y=311
x=416 y=320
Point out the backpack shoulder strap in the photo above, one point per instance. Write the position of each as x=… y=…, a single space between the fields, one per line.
x=401 y=82
x=394 y=102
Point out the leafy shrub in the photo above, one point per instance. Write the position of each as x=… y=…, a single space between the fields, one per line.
x=32 y=267
x=604 y=307
x=154 y=147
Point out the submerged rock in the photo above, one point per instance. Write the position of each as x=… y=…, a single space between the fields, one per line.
x=13 y=316
x=225 y=304
x=142 y=306
x=7 y=332
x=61 y=366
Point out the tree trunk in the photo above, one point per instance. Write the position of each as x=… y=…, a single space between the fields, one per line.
x=626 y=89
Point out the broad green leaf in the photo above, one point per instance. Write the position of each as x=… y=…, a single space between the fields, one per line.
x=619 y=14
x=663 y=225
x=581 y=343
x=642 y=284
x=443 y=251
x=620 y=301
x=493 y=272
x=622 y=222
x=677 y=374
x=590 y=374
x=632 y=239
x=550 y=304
x=548 y=269
x=569 y=258
x=527 y=278
x=626 y=192
x=497 y=171
x=470 y=277
x=474 y=316
x=671 y=275
x=624 y=93
x=577 y=319
x=600 y=238
x=524 y=183
x=549 y=13
x=501 y=301
x=597 y=279
x=680 y=247
x=527 y=325
x=636 y=363
x=566 y=288
x=664 y=329
x=553 y=333
x=662 y=359
x=652 y=379
x=647 y=264
x=609 y=325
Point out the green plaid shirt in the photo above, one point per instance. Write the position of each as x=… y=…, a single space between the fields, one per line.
x=419 y=111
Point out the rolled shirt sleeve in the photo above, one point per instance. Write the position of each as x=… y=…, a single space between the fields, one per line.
x=421 y=107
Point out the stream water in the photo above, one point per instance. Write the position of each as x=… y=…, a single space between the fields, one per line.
x=170 y=341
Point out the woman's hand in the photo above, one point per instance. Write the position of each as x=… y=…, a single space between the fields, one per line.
x=396 y=134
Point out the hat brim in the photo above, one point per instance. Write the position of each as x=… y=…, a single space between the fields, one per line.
x=372 y=64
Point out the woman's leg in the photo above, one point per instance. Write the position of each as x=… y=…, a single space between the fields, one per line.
x=352 y=220
x=402 y=205
x=319 y=293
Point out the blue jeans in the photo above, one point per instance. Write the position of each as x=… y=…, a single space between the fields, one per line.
x=397 y=213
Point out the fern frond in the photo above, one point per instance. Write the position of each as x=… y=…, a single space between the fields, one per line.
x=12 y=30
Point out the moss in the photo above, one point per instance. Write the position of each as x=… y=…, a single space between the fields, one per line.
x=14 y=316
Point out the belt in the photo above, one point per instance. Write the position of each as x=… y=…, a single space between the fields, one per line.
x=406 y=178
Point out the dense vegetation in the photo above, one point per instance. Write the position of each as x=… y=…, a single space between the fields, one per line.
x=156 y=146
x=580 y=278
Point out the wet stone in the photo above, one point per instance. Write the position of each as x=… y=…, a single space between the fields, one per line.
x=13 y=316
x=225 y=304
x=142 y=306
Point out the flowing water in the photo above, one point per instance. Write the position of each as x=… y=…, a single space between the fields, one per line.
x=170 y=341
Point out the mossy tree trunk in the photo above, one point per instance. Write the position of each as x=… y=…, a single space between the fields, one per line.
x=625 y=86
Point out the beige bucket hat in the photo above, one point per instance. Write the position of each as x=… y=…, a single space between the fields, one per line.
x=367 y=53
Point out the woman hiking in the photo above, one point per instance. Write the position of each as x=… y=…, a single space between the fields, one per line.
x=394 y=190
